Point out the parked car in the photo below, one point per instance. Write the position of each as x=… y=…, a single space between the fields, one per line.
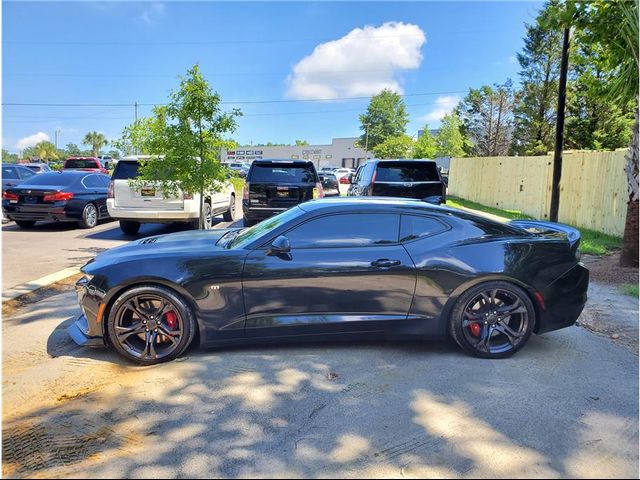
x=106 y=161
x=241 y=168
x=276 y=185
x=147 y=204
x=419 y=179
x=329 y=182
x=37 y=167
x=68 y=196
x=356 y=268
x=13 y=175
x=90 y=164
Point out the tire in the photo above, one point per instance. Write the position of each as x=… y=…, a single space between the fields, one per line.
x=141 y=341
x=248 y=223
x=129 y=227
x=89 y=216
x=229 y=215
x=25 y=223
x=480 y=332
x=208 y=216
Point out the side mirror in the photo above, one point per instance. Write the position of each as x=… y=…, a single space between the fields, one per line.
x=279 y=245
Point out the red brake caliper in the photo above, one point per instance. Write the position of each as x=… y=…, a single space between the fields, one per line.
x=474 y=327
x=172 y=320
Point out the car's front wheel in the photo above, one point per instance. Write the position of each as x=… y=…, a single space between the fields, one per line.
x=150 y=324
x=492 y=320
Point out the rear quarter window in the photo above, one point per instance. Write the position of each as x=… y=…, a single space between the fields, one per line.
x=284 y=173
x=413 y=227
x=407 y=172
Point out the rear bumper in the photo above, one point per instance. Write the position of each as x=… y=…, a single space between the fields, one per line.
x=259 y=213
x=45 y=213
x=189 y=212
x=564 y=300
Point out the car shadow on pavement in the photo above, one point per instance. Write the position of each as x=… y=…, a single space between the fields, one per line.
x=334 y=412
x=48 y=227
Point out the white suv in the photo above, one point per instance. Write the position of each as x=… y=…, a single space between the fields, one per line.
x=148 y=205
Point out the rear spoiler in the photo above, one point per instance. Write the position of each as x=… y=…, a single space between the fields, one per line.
x=550 y=228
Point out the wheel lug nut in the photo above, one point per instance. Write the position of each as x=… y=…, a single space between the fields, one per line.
x=146 y=329
x=486 y=323
x=155 y=329
x=144 y=321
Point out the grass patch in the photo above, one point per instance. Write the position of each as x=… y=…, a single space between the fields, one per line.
x=592 y=243
x=510 y=214
x=238 y=184
x=630 y=289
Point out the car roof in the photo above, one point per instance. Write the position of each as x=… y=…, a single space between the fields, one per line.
x=391 y=160
x=267 y=161
x=83 y=158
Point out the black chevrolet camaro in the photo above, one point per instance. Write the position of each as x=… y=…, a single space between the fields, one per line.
x=336 y=269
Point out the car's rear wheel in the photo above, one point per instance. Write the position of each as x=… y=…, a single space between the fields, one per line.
x=247 y=222
x=150 y=324
x=230 y=214
x=25 y=223
x=89 y=216
x=128 y=227
x=492 y=320
x=208 y=216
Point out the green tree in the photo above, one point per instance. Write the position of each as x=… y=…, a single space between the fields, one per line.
x=9 y=157
x=535 y=110
x=96 y=141
x=44 y=151
x=301 y=143
x=487 y=118
x=72 y=150
x=450 y=141
x=386 y=117
x=425 y=146
x=184 y=138
x=395 y=147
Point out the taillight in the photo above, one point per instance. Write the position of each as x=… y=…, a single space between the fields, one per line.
x=344 y=180
x=320 y=190
x=58 y=196
x=110 y=190
x=245 y=191
x=9 y=196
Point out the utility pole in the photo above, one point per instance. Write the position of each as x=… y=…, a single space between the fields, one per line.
x=366 y=139
x=56 y=135
x=135 y=148
x=557 y=155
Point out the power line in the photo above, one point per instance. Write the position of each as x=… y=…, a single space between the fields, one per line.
x=235 y=102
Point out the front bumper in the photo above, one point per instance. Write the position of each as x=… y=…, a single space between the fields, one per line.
x=87 y=329
x=79 y=333
x=564 y=300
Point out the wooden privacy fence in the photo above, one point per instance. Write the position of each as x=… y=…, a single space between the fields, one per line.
x=593 y=189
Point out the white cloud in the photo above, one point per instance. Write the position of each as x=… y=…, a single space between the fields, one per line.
x=444 y=104
x=31 y=140
x=152 y=13
x=363 y=62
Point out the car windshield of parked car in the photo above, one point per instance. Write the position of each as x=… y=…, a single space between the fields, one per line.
x=249 y=235
x=125 y=170
x=283 y=173
x=406 y=172
x=81 y=164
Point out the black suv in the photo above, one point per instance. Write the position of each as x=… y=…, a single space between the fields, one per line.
x=273 y=186
x=399 y=178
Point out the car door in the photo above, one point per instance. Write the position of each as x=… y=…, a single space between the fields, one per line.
x=343 y=273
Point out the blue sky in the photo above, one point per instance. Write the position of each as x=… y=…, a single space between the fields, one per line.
x=120 y=53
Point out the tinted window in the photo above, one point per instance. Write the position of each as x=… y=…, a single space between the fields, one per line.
x=9 y=173
x=26 y=172
x=125 y=170
x=285 y=173
x=349 y=230
x=249 y=235
x=82 y=164
x=105 y=180
x=413 y=227
x=407 y=172
x=92 y=181
x=54 y=178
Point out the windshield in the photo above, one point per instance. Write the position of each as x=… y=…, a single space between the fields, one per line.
x=249 y=235
x=81 y=163
x=283 y=172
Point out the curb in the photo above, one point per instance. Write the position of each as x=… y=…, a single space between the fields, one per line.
x=39 y=283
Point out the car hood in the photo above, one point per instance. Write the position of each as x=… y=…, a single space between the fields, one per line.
x=172 y=244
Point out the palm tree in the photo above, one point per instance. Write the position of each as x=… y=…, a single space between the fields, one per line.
x=46 y=151
x=96 y=140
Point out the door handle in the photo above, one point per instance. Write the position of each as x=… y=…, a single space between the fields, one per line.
x=385 y=263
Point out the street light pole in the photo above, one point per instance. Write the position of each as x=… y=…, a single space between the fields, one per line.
x=366 y=138
x=56 y=135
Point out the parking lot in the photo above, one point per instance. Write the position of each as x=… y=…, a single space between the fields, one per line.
x=566 y=406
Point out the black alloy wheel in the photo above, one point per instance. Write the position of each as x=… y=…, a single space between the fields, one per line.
x=493 y=320
x=150 y=324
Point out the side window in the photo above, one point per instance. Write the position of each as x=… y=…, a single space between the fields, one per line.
x=413 y=226
x=347 y=230
x=105 y=180
x=9 y=173
x=92 y=181
x=356 y=177
x=26 y=173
